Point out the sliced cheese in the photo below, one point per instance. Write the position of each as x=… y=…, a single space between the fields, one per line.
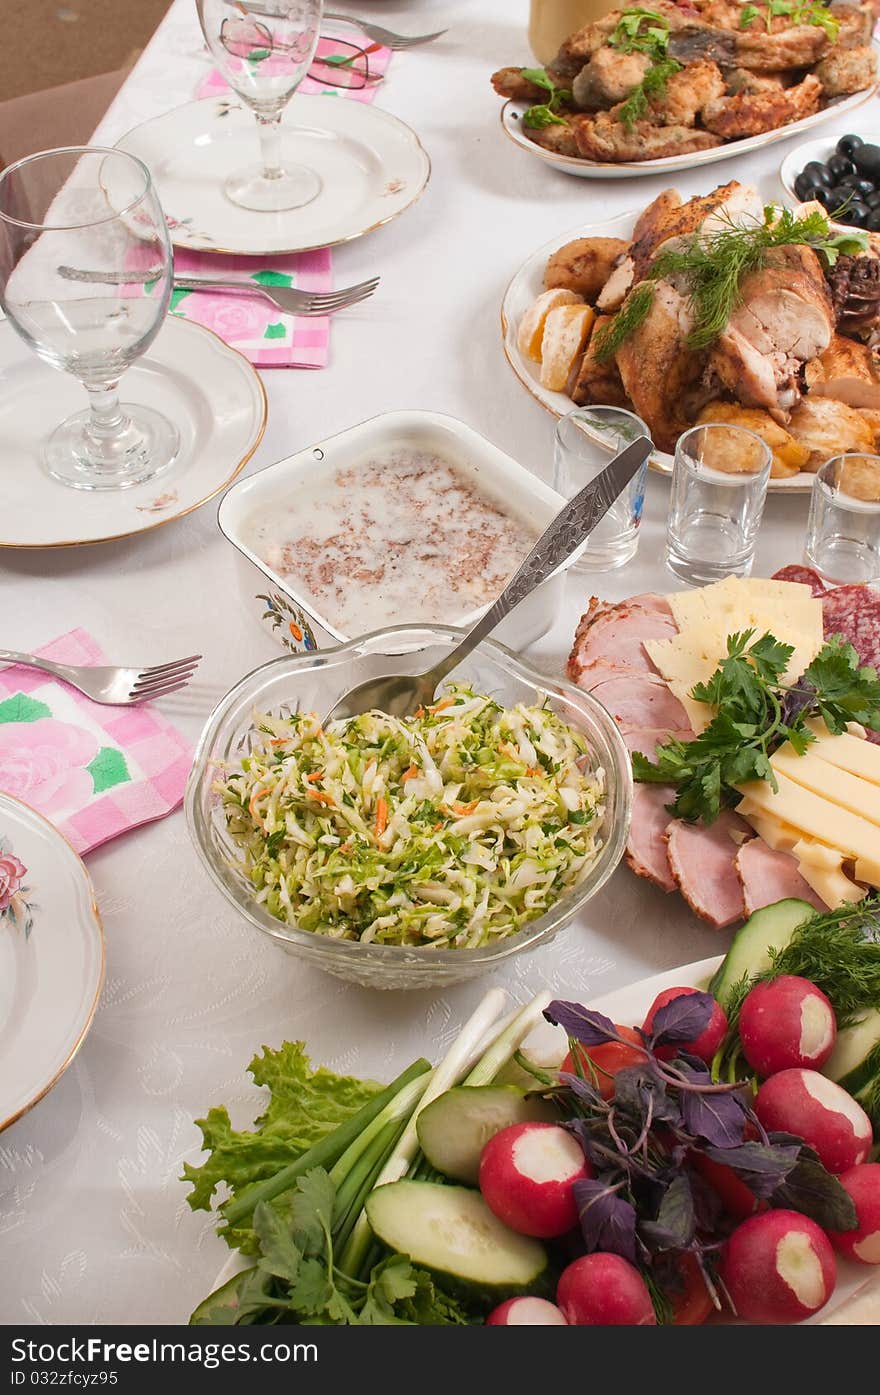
x=782 y=837
x=817 y=817
x=822 y=870
x=868 y=871
x=847 y=751
x=833 y=783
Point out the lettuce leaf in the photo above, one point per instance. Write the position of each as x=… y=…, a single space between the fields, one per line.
x=303 y=1106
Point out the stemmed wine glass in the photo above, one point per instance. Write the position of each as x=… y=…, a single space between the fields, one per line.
x=85 y=279
x=264 y=51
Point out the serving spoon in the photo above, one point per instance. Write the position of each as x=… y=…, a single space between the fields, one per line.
x=400 y=694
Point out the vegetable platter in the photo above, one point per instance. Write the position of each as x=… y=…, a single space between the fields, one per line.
x=644 y=1178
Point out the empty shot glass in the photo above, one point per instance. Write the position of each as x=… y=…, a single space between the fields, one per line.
x=843 y=530
x=719 y=485
x=586 y=440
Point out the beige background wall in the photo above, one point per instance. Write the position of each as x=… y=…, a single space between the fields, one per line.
x=44 y=43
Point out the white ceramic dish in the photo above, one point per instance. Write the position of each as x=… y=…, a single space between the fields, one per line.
x=292 y=616
x=210 y=390
x=796 y=159
x=523 y=289
x=51 y=957
x=511 y=124
x=373 y=167
x=630 y=1005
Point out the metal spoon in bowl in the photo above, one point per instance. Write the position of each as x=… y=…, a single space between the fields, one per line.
x=399 y=694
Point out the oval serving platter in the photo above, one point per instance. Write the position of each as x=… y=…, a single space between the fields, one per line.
x=528 y=283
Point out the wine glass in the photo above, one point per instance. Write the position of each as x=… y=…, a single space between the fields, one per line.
x=264 y=51
x=85 y=279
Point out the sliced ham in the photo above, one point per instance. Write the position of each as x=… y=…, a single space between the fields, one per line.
x=703 y=862
x=647 y=739
x=639 y=700
x=767 y=876
x=646 y=845
x=609 y=638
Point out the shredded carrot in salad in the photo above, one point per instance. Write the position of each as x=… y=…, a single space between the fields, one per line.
x=453 y=827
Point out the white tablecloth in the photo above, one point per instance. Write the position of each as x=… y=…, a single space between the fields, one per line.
x=94 y=1222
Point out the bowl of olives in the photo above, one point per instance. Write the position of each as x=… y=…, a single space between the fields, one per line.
x=844 y=177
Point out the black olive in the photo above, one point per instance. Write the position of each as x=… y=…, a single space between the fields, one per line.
x=804 y=187
x=848 y=145
x=817 y=174
x=857 y=214
x=838 y=166
x=873 y=223
x=826 y=198
x=863 y=187
x=867 y=158
x=873 y=200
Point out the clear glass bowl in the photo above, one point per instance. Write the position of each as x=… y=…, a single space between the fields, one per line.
x=315 y=682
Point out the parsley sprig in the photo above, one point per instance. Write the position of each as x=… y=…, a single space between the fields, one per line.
x=548 y=113
x=644 y=31
x=799 y=11
x=755 y=712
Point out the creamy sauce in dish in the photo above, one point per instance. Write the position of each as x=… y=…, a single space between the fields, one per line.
x=401 y=537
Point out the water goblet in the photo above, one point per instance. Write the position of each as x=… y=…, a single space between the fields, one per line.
x=264 y=51
x=90 y=208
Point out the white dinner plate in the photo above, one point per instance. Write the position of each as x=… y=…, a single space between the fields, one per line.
x=511 y=124
x=211 y=392
x=51 y=957
x=528 y=283
x=371 y=164
x=630 y=1006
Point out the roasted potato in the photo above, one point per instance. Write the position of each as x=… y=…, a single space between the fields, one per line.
x=584 y=265
x=789 y=457
x=566 y=331
x=531 y=326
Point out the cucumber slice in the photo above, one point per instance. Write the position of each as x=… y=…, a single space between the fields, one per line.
x=454 y=1128
x=770 y=928
x=451 y=1232
x=849 y=1062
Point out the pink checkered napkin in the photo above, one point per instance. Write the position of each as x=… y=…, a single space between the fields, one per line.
x=94 y=771
x=249 y=323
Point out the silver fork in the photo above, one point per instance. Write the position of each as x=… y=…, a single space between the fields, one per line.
x=116 y=687
x=387 y=37
x=285 y=298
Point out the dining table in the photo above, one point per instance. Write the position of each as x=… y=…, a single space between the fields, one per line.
x=94 y=1218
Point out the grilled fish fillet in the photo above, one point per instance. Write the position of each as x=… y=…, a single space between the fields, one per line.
x=753 y=113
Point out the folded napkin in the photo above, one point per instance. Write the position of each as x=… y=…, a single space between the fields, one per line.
x=94 y=771
x=249 y=323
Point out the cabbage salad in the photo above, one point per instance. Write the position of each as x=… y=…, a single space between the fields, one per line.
x=452 y=827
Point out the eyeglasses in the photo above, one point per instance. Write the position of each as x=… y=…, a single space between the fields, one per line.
x=341 y=64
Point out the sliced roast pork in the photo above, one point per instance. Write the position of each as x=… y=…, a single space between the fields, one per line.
x=609 y=639
x=637 y=700
x=767 y=876
x=646 y=851
x=703 y=862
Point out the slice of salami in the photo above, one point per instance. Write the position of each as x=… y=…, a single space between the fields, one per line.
x=854 y=612
x=805 y=575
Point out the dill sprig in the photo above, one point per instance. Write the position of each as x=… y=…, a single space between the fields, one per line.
x=714 y=265
x=627 y=320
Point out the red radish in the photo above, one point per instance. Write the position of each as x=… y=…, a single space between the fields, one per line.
x=709 y=1040
x=778 y=1267
x=863 y=1243
x=604 y=1290
x=786 y=1023
x=805 y=1103
x=691 y=1301
x=526 y=1312
x=527 y=1172
x=606 y=1060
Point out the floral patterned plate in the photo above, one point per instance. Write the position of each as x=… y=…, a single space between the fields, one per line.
x=51 y=957
x=372 y=168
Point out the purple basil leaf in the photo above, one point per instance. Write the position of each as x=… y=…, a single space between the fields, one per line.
x=676 y=1223
x=717 y=1116
x=802 y=695
x=813 y=1191
x=761 y=1168
x=707 y=1205
x=589 y=1028
x=682 y=1019
x=635 y=1086
x=608 y=1221
x=583 y=1090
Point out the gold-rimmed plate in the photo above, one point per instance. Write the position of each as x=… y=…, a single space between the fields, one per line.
x=528 y=283
x=511 y=124
x=51 y=956
x=211 y=392
x=372 y=168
